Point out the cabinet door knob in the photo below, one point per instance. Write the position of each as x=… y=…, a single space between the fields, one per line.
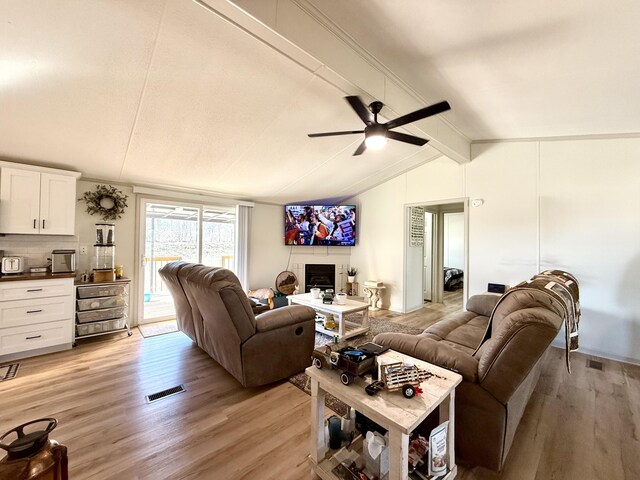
x=43 y=224
x=31 y=338
x=34 y=290
x=35 y=223
x=34 y=311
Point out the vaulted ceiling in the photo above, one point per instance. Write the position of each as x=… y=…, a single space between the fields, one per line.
x=219 y=96
x=511 y=68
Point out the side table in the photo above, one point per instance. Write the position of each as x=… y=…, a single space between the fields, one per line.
x=399 y=415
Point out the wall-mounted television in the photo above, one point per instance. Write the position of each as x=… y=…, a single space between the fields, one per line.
x=333 y=225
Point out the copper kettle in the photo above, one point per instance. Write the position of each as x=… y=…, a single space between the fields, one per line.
x=32 y=456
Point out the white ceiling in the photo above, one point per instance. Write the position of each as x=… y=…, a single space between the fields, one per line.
x=201 y=95
x=510 y=68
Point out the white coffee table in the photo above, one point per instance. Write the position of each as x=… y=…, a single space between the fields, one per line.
x=399 y=415
x=346 y=328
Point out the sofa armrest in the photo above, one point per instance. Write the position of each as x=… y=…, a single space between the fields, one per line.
x=431 y=351
x=482 y=304
x=283 y=317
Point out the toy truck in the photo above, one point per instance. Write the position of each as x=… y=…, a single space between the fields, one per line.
x=398 y=376
x=351 y=362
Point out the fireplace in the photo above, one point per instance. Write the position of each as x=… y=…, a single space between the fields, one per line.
x=319 y=275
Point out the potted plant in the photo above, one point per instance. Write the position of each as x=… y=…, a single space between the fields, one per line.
x=351 y=274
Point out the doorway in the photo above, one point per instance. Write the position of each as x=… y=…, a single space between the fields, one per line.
x=172 y=231
x=436 y=265
x=452 y=259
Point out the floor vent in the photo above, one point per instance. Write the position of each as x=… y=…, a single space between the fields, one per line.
x=7 y=372
x=154 y=397
x=594 y=364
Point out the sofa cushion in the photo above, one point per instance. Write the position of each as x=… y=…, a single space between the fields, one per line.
x=458 y=347
x=440 y=353
x=465 y=329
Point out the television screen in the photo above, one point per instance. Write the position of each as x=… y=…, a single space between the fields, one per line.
x=320 y=225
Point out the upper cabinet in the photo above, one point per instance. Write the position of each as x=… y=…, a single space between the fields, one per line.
x=37 y=201
x=57 y=204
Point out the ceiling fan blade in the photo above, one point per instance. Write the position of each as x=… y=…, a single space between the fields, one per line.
x=403 y=137
x=360 y=108
x=330 y=134
x=361 y=148
x=419 y=114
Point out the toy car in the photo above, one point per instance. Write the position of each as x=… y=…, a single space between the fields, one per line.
x=397 y=376
x=350 y=361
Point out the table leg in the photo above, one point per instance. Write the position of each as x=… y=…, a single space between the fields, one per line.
x=365 y=318
x=398 y=455
x=447 y=412
x=317 y=441
x=340 y=325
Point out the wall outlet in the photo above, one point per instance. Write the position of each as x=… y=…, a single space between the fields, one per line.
x=83 y=250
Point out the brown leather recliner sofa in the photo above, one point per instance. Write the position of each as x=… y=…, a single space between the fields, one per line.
x=498 y=346
x=213 y=310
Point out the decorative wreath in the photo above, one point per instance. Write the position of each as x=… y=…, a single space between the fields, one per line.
x=107 y=201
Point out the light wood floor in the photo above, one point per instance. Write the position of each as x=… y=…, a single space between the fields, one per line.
x=583 y=426
x=429 y=314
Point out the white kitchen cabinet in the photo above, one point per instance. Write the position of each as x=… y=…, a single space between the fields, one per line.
x=57 y=204
x=19 y=201
x=37 y=200
x=36 y=317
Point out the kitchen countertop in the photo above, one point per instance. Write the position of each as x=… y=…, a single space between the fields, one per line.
x=117 y=280
x=9 y=277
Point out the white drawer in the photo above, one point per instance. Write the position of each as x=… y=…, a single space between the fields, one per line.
x=25 y=289
x=38 y=310
x=30 y=337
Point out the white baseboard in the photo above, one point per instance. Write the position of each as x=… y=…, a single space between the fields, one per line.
x=597 y=353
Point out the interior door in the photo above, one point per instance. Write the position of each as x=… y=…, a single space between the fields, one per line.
x=20 y=201
x=57 y=204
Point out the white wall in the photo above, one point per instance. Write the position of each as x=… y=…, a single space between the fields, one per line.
x=569 y=204
x=268 y=255
x=590 y=226
x=503 y=233
x=379 y=252
x=454 y=240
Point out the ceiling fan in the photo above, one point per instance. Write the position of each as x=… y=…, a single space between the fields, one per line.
x=376 y=134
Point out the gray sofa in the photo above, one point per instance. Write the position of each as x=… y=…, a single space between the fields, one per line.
x=498 y=346
x=213 y=310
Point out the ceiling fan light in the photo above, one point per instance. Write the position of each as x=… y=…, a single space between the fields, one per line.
x=375 y=141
